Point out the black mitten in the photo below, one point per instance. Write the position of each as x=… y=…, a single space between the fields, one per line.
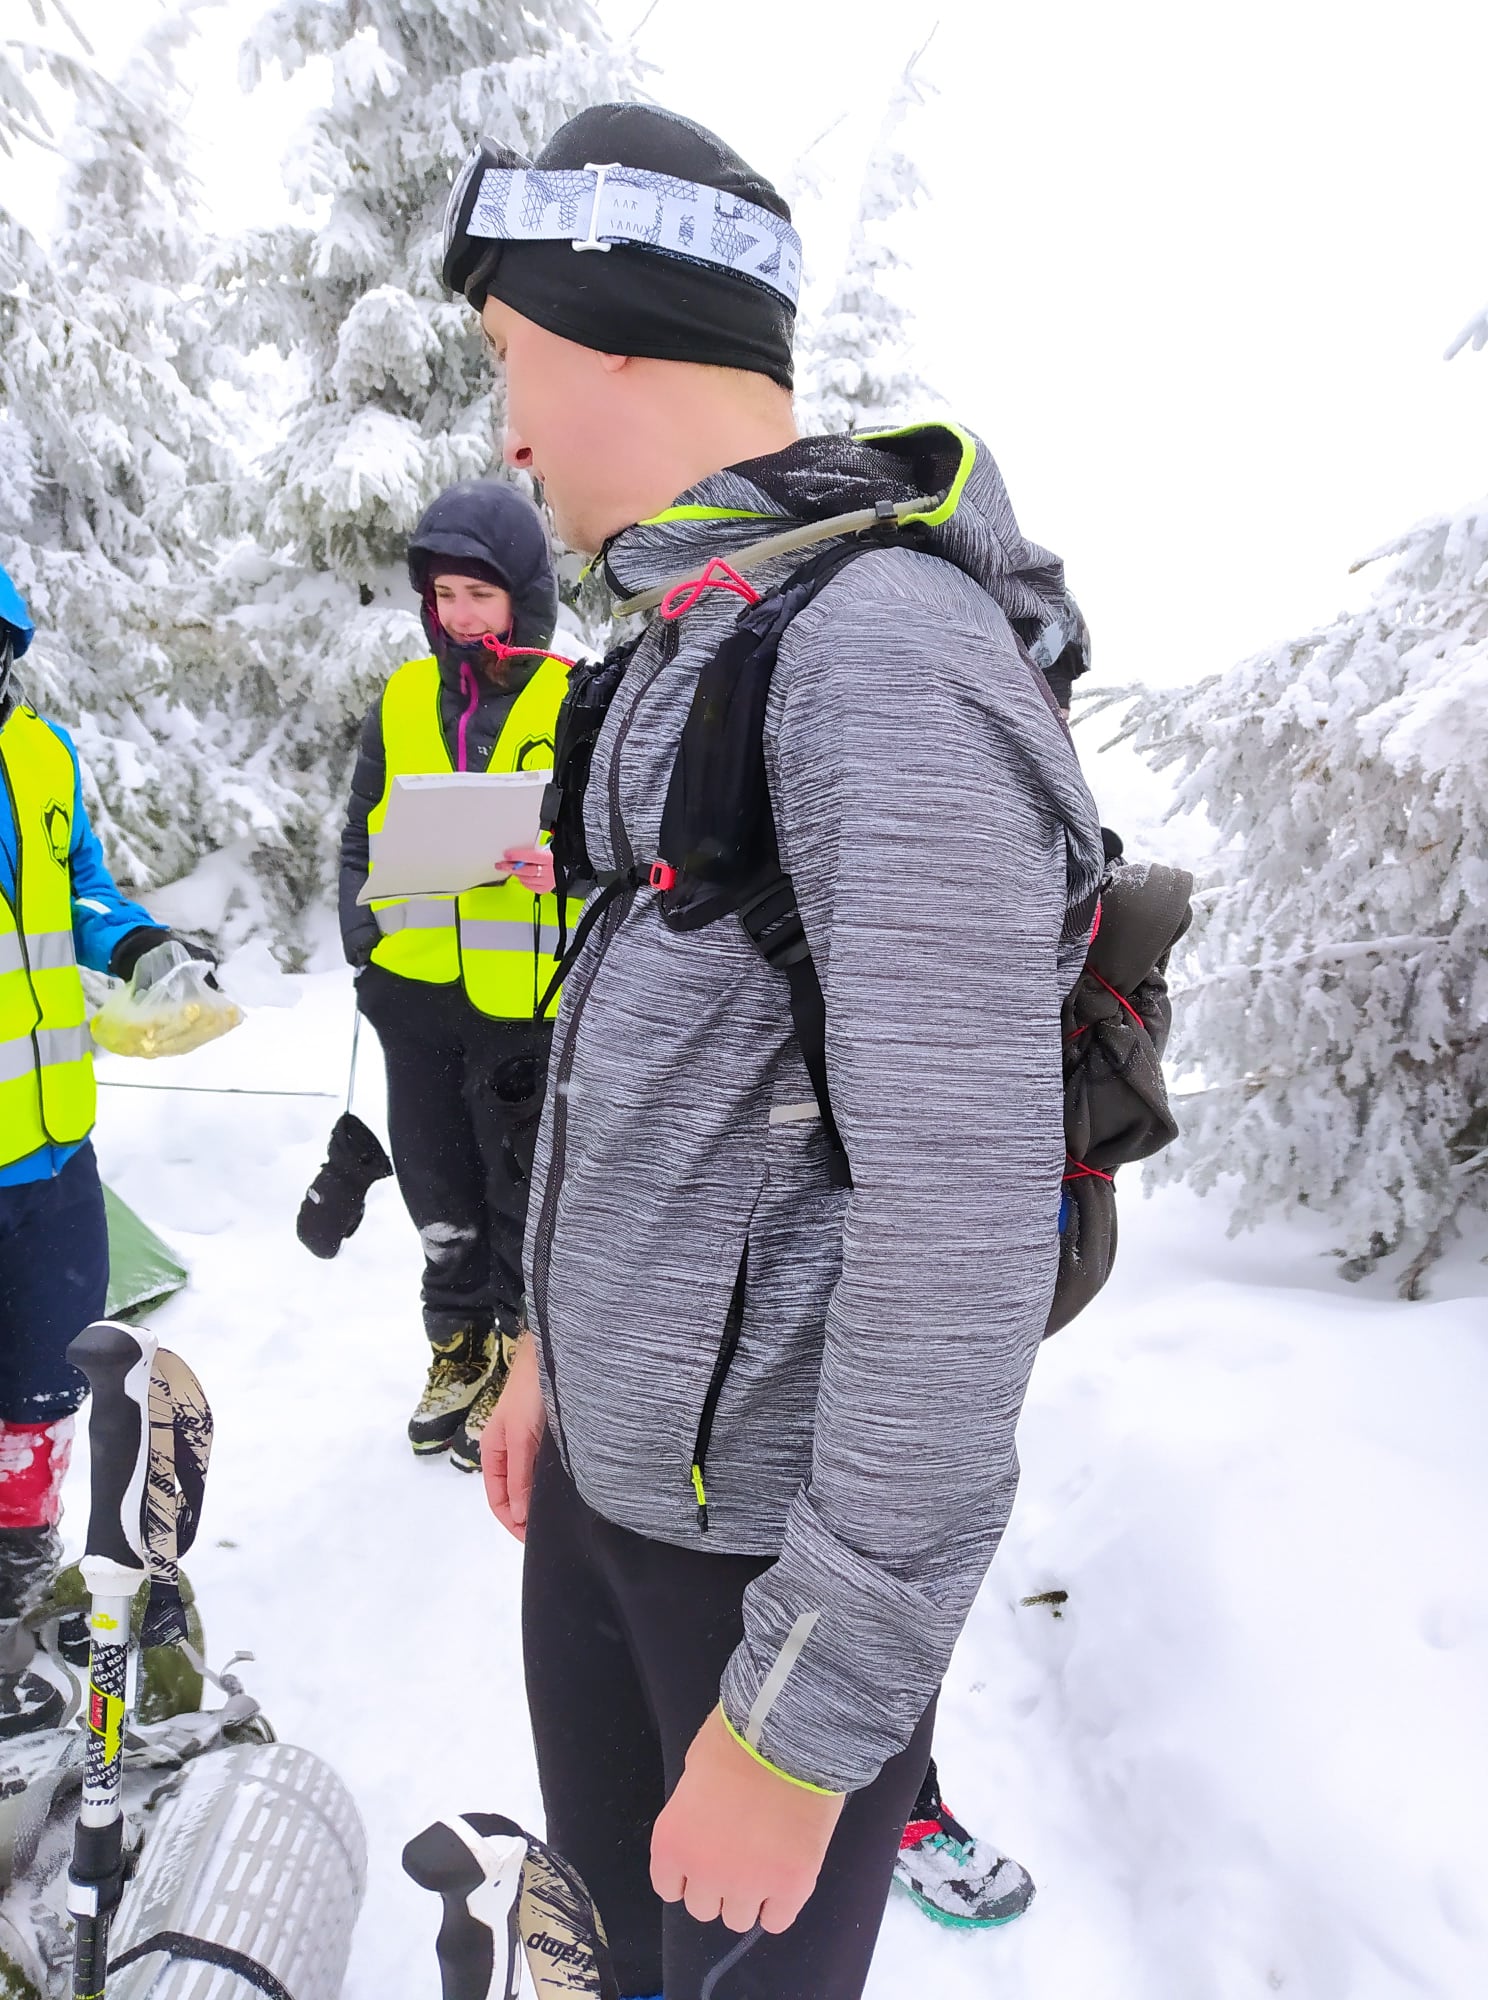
x=337 y=1198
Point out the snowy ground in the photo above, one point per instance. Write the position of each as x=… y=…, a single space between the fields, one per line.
x=1249 y=1756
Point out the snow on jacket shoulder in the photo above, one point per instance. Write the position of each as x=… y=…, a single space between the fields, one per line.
x=945 y=853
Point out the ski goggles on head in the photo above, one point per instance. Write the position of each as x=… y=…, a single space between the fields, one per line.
x=498 y=197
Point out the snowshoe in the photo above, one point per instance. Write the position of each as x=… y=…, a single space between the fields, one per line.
x=957 y=1879
x=28 y=1563
x=34 y=1693
x=457 y=1372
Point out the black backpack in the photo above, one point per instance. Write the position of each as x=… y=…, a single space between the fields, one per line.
x=720 y=857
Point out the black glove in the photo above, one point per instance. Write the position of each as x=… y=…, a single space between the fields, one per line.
x=337 y=1198
x=132 y=947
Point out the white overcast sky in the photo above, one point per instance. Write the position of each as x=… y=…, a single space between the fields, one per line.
x=1189 y=269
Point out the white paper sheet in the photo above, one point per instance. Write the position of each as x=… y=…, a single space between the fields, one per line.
x=446 y=832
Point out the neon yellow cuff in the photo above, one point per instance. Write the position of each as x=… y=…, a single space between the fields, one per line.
x=822 y=1791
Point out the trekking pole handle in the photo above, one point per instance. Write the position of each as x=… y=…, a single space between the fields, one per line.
x=117 y=1361
x=465 y=1870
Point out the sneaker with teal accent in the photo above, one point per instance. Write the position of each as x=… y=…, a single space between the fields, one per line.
x=957 y=1879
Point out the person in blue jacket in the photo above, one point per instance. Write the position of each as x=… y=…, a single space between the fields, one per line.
x=59 y=909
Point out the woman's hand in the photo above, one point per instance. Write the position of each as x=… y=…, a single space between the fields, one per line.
x=532 y=866
x=510 y=1440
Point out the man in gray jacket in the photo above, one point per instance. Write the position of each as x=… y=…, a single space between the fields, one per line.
x=760 y=1441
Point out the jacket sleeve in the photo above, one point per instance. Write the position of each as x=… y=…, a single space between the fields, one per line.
x=359 y=932
x=102 y=918
x=929 y=859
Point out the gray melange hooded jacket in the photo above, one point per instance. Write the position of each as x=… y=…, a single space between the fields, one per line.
x=945 y=853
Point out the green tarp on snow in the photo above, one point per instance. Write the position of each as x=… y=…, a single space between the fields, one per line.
x=143 y=1273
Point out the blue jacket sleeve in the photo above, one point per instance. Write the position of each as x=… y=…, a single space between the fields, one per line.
x=101 y=916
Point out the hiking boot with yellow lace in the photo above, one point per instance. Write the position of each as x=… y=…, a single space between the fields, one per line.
x=465 y=1452
x=459 y=1367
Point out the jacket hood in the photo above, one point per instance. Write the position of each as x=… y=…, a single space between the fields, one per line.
x=939 y=481
x=14 y=616
x=490 y=522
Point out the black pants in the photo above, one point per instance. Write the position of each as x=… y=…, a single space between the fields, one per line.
x=54 y=1263
x=464 y=1100
x=625 y=1641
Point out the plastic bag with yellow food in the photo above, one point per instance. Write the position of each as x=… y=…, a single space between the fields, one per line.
x=166 y=1008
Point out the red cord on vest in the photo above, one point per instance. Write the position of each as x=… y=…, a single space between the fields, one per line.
x=490 y=641
x=504 y=652
x=717 y=575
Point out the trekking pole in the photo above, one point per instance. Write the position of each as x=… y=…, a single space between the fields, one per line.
x=356 y=1036
x=118 y=1364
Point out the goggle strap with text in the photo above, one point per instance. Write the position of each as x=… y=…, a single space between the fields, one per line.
x=600 y=206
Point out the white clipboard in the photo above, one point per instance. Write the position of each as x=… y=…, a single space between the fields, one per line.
x=446 y=832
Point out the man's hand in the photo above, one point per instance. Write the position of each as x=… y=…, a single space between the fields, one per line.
x=510 y=1440
x=734 y=1841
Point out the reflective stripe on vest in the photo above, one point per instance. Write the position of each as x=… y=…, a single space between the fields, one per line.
x=485 y=938
x=46 y=1064
x=507 y=934
x=415 y=913
x=43 y=951
x=53 y=1045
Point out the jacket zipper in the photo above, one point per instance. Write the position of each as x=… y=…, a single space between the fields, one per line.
x=20 y=924
x=733 y=1326
x=542 y=1242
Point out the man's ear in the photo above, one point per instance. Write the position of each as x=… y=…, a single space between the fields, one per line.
x=613 y=363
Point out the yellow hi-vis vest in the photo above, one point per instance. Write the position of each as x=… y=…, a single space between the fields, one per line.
x=47 y=1094
x=500 y=941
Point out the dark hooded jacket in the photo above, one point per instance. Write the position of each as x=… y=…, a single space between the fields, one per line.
x=850 y=1364
x=483 y=526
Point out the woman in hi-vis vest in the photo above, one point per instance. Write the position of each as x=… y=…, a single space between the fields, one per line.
x=60 y=909
x=452 y=984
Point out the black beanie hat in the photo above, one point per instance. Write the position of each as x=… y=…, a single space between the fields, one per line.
x=635 y=300
x=488 y=528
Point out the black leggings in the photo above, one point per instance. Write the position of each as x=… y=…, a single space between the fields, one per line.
x=625 y=1642
x=464 y=1100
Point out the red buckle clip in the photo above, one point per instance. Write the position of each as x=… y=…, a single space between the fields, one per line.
x=663 y=875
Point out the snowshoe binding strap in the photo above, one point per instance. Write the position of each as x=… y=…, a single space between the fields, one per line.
x=176 y=1944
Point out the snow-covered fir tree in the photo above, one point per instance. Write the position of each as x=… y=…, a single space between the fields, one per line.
x=855 y=359
x=25 y=266
x=1474 y=335
x=117 y=473
x=24 y=57
x=396 y=394
x=1334 y=997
